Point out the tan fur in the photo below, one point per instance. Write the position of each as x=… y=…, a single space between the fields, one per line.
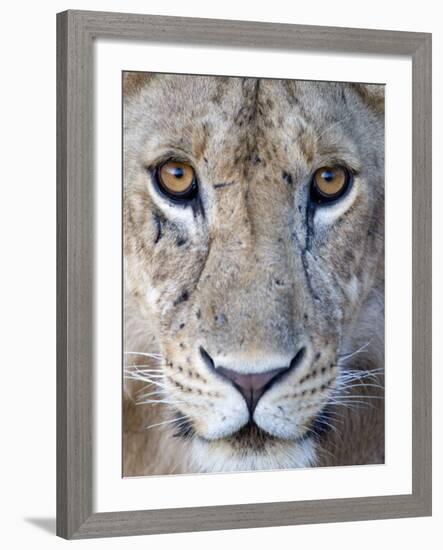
x=251 y=273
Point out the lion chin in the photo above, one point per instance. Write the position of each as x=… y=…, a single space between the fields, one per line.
x=251 y=449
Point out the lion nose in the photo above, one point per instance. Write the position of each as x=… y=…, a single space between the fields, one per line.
x=252 y=386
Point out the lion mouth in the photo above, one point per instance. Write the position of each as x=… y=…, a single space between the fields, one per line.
x=251 y=436
x=248 y=436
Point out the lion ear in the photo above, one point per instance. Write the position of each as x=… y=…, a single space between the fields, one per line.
x=133 y=82
x=373 y=95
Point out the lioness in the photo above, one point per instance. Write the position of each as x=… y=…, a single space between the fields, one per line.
x=254 y=274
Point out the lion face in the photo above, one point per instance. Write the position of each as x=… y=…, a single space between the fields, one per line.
x=253 y=234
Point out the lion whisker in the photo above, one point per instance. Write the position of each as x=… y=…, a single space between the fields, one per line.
x=166 y=422
x=158 y=401
x=350 y=386
x=344 y=357
x=144 y=354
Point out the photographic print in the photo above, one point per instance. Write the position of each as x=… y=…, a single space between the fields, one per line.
x=253 y=274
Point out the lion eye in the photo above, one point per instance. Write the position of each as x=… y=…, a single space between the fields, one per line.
x=177 y=179
x=329 y=183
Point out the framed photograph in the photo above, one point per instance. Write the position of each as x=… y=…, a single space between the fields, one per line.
x=244 y=274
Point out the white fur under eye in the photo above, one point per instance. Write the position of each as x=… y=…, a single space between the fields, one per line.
x=327 y=214
x=180 y=212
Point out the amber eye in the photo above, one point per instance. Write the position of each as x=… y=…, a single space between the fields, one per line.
x=177 y=179
x=329 y=183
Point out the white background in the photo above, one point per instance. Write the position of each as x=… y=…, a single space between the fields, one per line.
x=28 y=273
x=111 y=492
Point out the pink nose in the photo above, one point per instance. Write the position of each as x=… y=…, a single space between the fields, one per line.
x=251 y=386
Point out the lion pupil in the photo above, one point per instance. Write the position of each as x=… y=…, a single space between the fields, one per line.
x=328 y=176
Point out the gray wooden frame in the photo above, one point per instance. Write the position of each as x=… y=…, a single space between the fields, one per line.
x=76 y=32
